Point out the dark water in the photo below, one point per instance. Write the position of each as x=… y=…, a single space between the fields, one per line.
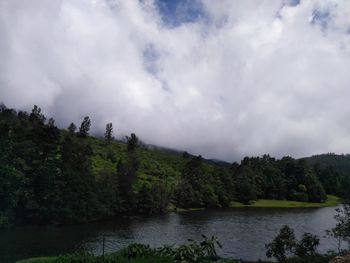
x=243 y=232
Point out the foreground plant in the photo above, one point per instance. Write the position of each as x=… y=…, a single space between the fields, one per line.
x=285 y=244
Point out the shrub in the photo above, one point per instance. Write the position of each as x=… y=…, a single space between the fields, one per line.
x=193 y=252
x=307 y=246
x=283 y=244
x=138 y=251
x=77 y=257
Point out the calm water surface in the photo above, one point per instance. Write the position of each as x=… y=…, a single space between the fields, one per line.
x=243 y=232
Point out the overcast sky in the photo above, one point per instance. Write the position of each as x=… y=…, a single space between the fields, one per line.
x=223 y=78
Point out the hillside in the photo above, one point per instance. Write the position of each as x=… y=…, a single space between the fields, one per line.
x=340 y=163
x=60 y=176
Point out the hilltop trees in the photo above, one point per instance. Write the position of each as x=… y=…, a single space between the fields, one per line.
x=84 y=127
x=72 y=128
x=52 y=176
x=109 y=132
x=132 y=142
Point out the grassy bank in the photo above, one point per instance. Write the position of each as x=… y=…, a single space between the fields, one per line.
x=331 y=201
x=120 y=260
x=163 y=260
x=38 y=260
x=267 y=203
x=203 y=251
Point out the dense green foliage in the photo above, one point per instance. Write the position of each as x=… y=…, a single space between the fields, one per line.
x=333 y=172
x=285 y=244
x=341 y=231
x=203 y=251
x=193 y=252
x=49 y=175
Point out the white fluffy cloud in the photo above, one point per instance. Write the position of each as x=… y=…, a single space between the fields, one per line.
x=243 y=78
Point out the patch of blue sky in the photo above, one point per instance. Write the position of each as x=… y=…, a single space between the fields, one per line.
x=321 y=18
x=150 y=62
x=150 y=57
x=176 y=12
x=292 y=2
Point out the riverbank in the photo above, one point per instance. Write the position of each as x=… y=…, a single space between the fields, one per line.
x=320 y=259
x=271 y=203
x=266 y=203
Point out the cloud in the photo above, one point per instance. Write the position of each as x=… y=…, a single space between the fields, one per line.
x=222 y=79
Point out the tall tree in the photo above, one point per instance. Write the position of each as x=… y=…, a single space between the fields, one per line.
x=72 y=128
x=132 y=142
x=84 y=127
x=109 y=132
x=36 y=116
x=245 y=184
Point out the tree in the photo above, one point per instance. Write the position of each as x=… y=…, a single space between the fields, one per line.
x=2 y=107
x=109 y=132
x=84 y=127
x=132 y=142
x=72 y=128
x=285 y=244
x=282 y=244
x=36 y=116
x=79 y=192
x=245 y=185
x=307 y=246
x=341 y=231
x=127 y=178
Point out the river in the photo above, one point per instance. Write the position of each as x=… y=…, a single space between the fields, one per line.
x=242 y=232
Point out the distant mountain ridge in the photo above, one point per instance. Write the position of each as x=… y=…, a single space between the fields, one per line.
x=339 y=162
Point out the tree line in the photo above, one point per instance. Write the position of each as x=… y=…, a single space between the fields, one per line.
x=46 y=176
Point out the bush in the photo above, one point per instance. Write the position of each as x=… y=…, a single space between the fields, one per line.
x=307 y=246
x=77 y=257
x=194 y=252
x=285 y=244
x=138 y=251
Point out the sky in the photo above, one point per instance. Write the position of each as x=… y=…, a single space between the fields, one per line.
x=224 y=78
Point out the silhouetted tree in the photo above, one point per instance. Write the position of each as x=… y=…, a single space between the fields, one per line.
x=109 y=132
x=36 y=116
x=282 y=245
x=84 y=127
x=307 y=246
x=72 y=128
x=132 y=142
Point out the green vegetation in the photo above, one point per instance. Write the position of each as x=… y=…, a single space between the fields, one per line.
x=285 y=244
x=203 y=251
x=39 y=260
x=341 y=231
x=333 y=171
x=53 y=176
x=331 y=201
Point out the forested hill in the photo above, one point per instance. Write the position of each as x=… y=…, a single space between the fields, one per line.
x=52 y=175
x=340 y=163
